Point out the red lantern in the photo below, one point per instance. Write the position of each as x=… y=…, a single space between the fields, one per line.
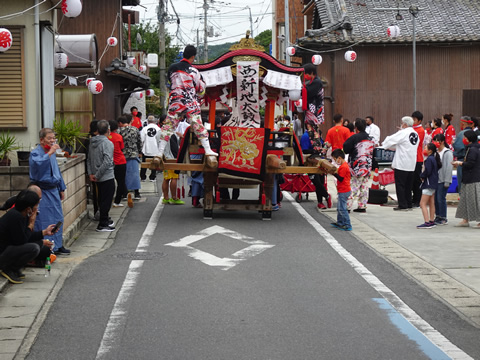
x=60 y=60
x=95 y=87
x=350 y=56
x=317 y=59
x=71 y=8
x=142 y=68
x=290 y=51
x=89 y=79
x=5 y=39
x=150 y=92
x=112 y=41
x=131 y=61
x=138 y=95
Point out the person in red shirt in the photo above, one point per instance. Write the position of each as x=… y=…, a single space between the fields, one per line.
x=344 y=190
x=337 y=135
x=136 y=120
x=120 y=168
x=417 y=181
x=449 y=130
x=437 y=127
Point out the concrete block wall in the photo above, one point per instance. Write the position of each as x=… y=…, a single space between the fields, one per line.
x=13 y=179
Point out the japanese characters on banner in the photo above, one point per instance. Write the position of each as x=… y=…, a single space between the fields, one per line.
x=282 y=81
x=220 y=76
x=248 y=94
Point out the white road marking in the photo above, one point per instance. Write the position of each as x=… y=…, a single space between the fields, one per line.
x=118 y=316
x=255 y=247
x=410 y=315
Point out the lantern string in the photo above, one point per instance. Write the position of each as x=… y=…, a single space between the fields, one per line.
x=107 y=46
x=20 y=13
x=327 y=51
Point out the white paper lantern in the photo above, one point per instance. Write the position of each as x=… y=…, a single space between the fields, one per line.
x=89 y=80
x=150 y=92
x=131 y=61
x=142 y=68
x=290 y=51
x=393 y=31
x=295 y=94
x=61 y=60
x=71 y=8
x=6 y=39
x=350 y=56
x=112 y=41
x=298 y=104
x=138 y=95
x=95 y=87
x=317 y=59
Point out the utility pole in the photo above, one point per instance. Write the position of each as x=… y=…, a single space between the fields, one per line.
x=251 y=22
x=161 y=49
x=287 y=31
x=205 y=32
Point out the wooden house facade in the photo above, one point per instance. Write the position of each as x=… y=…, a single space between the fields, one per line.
x=380 y=81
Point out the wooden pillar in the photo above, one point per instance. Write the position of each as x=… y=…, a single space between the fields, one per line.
x=270 y=106
x=211 y=113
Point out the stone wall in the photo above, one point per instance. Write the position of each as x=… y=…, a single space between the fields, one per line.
x=13 y=179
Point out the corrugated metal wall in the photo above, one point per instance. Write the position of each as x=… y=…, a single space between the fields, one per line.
x=380 y=83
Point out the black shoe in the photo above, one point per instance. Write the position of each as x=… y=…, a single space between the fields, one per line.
x=400 y=209
x=19 y=274
x=137 y=196
x=359 y=210
x=105 y=228
x=111 y=223
x=415 y=205
x=62 y=251
x=11 y=276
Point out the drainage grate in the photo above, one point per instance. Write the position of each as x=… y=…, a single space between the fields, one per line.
x=141 y=255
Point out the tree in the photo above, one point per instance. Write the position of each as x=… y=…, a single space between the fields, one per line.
x=149 y=45
x=264 y=39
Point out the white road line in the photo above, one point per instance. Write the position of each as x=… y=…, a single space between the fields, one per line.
x=118 y=316
x=411 y=316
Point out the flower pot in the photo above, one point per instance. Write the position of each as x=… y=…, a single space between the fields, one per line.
x=5 y=162
x=23 y=158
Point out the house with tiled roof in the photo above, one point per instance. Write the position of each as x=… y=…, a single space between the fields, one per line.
x=438 y=41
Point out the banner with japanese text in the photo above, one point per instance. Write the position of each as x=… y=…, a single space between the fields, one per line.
x=248 y=103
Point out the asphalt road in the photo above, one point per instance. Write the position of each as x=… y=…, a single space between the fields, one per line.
x=236 y=287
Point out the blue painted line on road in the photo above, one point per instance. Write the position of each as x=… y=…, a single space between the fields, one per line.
x=428 y=348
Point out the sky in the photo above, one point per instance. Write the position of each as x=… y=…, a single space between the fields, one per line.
x=230 y=19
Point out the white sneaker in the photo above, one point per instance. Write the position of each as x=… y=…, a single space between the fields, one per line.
x=118 y=205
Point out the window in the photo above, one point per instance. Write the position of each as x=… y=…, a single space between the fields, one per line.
x=12 y=83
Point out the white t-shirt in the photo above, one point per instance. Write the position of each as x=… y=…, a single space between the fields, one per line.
x=150 y=136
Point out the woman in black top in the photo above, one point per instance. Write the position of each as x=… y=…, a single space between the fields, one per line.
x=469 y=205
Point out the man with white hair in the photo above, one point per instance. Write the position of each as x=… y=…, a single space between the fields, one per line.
x=405 y=143
x=150 y=136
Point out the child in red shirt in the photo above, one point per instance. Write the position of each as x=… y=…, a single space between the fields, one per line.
x=343 y=189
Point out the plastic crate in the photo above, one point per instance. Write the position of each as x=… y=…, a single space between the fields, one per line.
x=386 y=177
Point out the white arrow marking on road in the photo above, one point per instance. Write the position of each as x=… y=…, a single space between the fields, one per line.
x=255 y=247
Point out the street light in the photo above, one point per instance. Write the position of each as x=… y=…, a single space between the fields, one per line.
x=414 y=11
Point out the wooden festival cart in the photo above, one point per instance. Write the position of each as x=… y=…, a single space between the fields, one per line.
x=246 y=78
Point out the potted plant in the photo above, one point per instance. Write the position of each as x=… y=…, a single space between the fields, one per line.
x=68 y=134
x=8 y=143
x=23 y=156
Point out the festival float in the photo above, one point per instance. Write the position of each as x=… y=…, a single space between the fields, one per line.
x=246 y=79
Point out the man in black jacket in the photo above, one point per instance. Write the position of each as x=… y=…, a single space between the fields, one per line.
x=19 y=244
x=359 y=148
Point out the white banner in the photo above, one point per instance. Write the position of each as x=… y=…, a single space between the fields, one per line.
x=283 y=81
x=248 y=102
x=216 y=77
